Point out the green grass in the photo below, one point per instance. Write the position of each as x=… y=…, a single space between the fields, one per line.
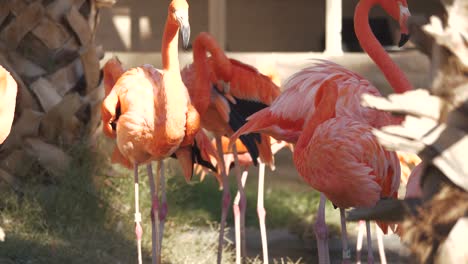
x=86 y=216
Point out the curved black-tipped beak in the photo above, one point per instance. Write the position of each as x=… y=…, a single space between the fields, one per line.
x=184 y=25
x=185 y=30
x=403 y=39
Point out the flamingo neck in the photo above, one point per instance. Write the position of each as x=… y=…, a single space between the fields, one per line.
x=324 y=110
x=371 y=45
x=221 y=64
x=170 y=47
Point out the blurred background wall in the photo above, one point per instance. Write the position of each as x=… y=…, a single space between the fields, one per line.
x=251 y=25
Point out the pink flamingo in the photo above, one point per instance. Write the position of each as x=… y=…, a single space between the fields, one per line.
x=362 y=171
x=285 y=118
x=224 y=92
x=149 y=113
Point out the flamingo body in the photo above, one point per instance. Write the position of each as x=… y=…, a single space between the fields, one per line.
x=285 y=117
x=345 y=161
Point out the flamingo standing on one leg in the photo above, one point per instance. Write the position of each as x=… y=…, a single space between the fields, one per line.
x=152 y=113
x=284 y=119
x=8 y=91
x=223 y=109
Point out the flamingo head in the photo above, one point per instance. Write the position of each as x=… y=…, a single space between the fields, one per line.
x=398 y=10
x=178 y=13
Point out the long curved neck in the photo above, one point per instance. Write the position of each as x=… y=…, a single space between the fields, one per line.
x=170 y=47
x=326 y=96
x=371 y=45
x=203 y=43
x=221 y=63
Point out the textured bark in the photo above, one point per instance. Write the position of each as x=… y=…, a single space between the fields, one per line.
x=49 y=48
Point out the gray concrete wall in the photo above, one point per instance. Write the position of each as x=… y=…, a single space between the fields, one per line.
x=252 y=25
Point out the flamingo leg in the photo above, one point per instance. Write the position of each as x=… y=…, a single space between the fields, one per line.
x=360 y=237
x=242 y=204
x=380 y=244
x=154 y=212
x=226 y=200
x=344 y=238
x=235 y=207
x=321 y=232
x=261 y=211
x=138 y=229
x=370 y=255
x=163 y=213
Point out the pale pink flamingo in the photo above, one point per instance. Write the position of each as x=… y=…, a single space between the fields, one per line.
x=225 y=91
x=149 y=113
x=284 y=119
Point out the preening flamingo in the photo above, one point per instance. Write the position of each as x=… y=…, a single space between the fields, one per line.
x=340 y=157
x=153 y=115
x=284 y=119
x=224 y=92
x=8 y=91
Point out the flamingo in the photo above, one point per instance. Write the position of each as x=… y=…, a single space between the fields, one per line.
x=224 y=92
x=8 y=91
x=149 y=113
x=362 y=171
x=285 y=118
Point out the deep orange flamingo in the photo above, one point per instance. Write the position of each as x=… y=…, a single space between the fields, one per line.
x=152 y=114
x=285 y=118
x=224 y=92
x=8 y=91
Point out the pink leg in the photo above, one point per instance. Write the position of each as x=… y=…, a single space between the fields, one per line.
x=237 y=222
x=370 y=255
x=225 y=201
x=321 y=232
x=154 y=215
x=261 y=211
x=360 y=237
x=344 y=238
x=138 y=229
x=163 y=210
x=380 y=244
x=242 y=204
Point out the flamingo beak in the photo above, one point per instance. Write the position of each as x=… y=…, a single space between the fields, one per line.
x=184 y=25
x=404 y=16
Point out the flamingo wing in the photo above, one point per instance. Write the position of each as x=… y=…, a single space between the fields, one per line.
x=285 y=117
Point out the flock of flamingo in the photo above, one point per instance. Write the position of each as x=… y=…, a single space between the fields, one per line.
x=153 y=114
